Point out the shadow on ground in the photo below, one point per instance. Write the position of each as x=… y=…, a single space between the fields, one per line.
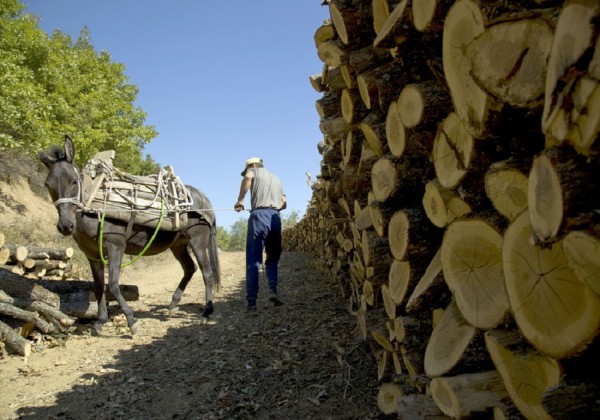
x=301 y=360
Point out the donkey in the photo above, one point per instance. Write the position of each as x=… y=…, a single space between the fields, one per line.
x=64 y=182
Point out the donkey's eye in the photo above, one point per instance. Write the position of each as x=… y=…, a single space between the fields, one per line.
x=74 y=182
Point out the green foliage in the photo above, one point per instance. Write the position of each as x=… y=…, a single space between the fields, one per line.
x=235 y=239
x=288 y=221
x=237 y=234
x=223 y=238
x=50 y=86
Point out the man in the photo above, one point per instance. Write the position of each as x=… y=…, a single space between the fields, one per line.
x=264 y=227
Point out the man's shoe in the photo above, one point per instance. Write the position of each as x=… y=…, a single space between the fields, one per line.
x=275 y=299
x=251 y=309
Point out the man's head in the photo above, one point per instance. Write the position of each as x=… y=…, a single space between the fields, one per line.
x=253 y=162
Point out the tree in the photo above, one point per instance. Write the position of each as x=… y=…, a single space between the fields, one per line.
x=50 y=86
x=238 y=232
x=223 y=238
x=288 y=221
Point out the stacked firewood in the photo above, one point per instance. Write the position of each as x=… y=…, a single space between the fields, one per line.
x=34 y=302
x=36 y=262
x=458 y=201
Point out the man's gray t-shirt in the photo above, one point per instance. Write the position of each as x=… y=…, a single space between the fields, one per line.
x=266 y=190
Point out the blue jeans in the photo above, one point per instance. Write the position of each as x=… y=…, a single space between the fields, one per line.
x=264 y=233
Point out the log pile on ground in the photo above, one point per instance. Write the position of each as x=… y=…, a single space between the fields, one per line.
x=36 y=262
x=45 y=304
x=458 y=203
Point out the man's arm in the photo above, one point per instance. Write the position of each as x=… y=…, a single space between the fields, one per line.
x=283 y=202
x=244 y=187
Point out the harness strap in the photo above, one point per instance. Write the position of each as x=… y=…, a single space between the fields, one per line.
x=141 y=254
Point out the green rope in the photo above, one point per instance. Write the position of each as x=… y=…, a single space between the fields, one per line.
x=141 y=254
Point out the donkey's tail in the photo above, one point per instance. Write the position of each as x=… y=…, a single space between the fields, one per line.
x=213 y=254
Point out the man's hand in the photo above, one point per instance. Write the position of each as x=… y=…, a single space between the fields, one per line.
x=239 y=206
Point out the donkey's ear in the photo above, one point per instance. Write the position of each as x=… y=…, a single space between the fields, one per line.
x=69 y=149
x=46 y=159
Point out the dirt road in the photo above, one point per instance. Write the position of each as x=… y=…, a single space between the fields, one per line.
x=301 y=360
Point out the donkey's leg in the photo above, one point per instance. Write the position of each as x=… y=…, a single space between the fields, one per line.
x=115 y=257
x=199 y=241
x=181 y=254
x=97 y=268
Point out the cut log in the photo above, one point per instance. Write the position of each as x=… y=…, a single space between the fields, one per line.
x=448 y=342
x=555 y=311
x=582 y=250
x=401 y=140
x=15 y=344
x=332 y=52
x=316 y=81
x=373 y=128
x=585 y=117
x=393 y=30
x=562 y=193
x=526 y=374
x=572 y=401
x=388 y=396
x=4 y=255
x=572 y=45
x=353 y=21
x=508 y=58
x=472 y=264
x=18 y=253
x=352 y=148
x=49 y=312
x=325 y=32
x=464 y=22
x=452 y=150
x=42 y=253
x=80 y=305
x=391 y=400
x=19 y=287
x=506 y=187
x=376 y=254
x=398 y=280
x=469 y=394
x=423 y=103
x=334 y=79
x=353 y=108
x=367 y=87
x=442 y=205
x=411 y=235
x=428 y=15
x=31 y=317
x=329 y=106
x=400 y=180
x=130 y=292
x=431 y=291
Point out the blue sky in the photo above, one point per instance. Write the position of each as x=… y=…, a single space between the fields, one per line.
x=220 y=82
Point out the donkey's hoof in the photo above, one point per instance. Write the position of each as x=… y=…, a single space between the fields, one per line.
x=135 y=327
x=173 y=310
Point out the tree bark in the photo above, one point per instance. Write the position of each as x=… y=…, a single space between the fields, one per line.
x=15 y=344
x=469 y=394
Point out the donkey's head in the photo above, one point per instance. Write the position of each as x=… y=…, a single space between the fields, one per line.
x=63 y=183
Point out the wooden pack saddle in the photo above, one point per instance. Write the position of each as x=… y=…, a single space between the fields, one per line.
x=139 y=200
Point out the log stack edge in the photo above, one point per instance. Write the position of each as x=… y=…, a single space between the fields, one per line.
x=458 y=202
